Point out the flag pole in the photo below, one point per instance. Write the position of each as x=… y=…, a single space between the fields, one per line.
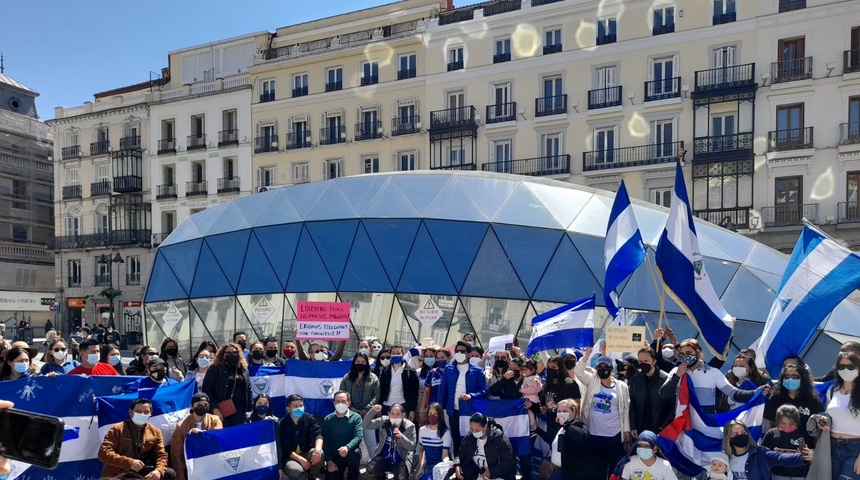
x=660 y=295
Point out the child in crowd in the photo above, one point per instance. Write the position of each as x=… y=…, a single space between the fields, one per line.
x=530 y=388
x=719 y=467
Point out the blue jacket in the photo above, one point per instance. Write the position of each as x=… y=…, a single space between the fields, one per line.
x=476 y=385
x=761 y=460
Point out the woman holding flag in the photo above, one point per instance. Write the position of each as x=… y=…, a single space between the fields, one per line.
x=749 y=461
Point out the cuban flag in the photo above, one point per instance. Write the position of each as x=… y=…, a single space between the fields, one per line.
x=241 y=452
x=511 y=415
x=271 y=381
x=694 y=436
x=316 y=382
x=820 y=273
x=569 y=326
x=623 y=250
x=680 y=262
x=170 y=405
x=69 y=397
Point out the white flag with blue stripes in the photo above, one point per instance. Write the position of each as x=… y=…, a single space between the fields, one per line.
x=170 y=405
x=271 y=381
x=242 y=452
x=623 y=250
x=685 y=278
x=820 y=273
x=316 y=382
x=511 y=415
x=569 y=326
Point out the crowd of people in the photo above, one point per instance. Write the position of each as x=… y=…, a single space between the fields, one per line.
x=397 y=411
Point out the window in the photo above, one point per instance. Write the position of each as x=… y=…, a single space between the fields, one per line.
x=266 y=176
x=73 y=177
x=72 y=226
x=168 y=222
x=503 y=50
x=102 y=219
x=334 y=79
x=552 y=41
x=723 y=125
x=369 y=124
x=300 y=133
x=197 y=139
x=334 y=131
x=228 y=167
x=788 y=200
x=71 y=138
x=661 y=196
x=554 y=101
x=371 y=164
x=228 y=120
x=370 y=72
x=789 y=120
x=502 y=109
x=198 y=172
x=102 y=134
x=606 y=31
x=456 y=156
x=267 y=90
x=167 y=175
x=455 y=58
x=406 y=161
x=604 y=145
x=102 y=171
x=662 y=76
x=663 y=138
x=300 y=84
x=408 y=66
x=301 y=173
x=502 y=155
x=406 y=121
x=132 y=274
x=267 y=137
x=74 y=269
x=19 y=233
x=664 y=20
x=103 y=271
x=724 y=11
x=333 y=169
x=852 y=183
x=551 y=146
x=792 y=65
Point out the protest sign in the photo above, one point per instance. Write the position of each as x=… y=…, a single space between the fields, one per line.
x=501 y=343
x=625 y=339
x=322 y=321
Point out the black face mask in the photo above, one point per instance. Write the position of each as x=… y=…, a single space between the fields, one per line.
x=645 y=367
x=570 y=364
x=740 y=441
x=604 y=373
x=232 y=359
x=359 y=368
x=201 y=410
x=171 y=351
x=243 y=344
x=501 y=364
x=271 y=353
x=551 y=374
x=158 y=375
x=257 y=355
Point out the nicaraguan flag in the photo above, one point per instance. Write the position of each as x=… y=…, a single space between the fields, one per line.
x=511 y=415
x=680 y=262
x=241 y=452
x=694 y=436
x=820 y=273
x=565 y=327
x=316 y=382
x=170 y=405
x=271 y=381
x=623 y=250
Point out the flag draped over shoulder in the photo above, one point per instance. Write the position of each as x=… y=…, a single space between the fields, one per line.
x=271 y=381
x=170 y=405
x=316 y=382
x=685 y=278
x=569 y=326
x=623 y=250
x=511 y=415
x=241 y=452
x=820 y=273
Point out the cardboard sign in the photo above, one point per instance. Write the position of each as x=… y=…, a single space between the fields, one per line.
x=501 y=343
x=322 y=321
x=625 y=339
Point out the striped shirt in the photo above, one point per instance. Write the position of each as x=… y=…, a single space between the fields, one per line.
x=433 y=445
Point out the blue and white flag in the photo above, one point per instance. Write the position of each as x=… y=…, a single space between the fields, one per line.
x=271 y=381
x=511 y=415
x=569 y=326
x=623 y=250
x=680 y=262
x=241 y=452
x=170 y=405
x=820 y=273
x=316 y=382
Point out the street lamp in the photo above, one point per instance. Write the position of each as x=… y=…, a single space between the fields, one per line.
x=110 y=293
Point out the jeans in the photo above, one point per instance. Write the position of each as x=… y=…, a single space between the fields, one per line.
x=843 y=454
x=370 y=443
x=607 y=452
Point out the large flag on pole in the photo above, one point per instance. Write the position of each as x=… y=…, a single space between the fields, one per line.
x=820 y=273
x=623 y=250
x=684 y=276
x=569 y=326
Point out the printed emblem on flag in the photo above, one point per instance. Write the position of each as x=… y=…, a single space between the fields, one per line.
x=28 y=393
x=260 y=385
x=697 y=266
x=326 y=388
x=233 y=461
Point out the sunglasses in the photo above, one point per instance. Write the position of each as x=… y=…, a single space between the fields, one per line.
x=59 y=349
x=844 y=366
x=385 y=358
x=461 y=351
x=792 y=377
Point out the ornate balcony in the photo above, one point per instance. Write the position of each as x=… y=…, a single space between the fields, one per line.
x=166 y=146
x=71 y=152
x=129 y=143
x=723 y=78
x=194 y=189
x=333 y=135
x=453 y=118
x=850 y=62
x=791 y=70
x=368 y=130
x=849 y=133
x=406 y=73
x=100 y=148
x=300 y=91
x=555 y=105
x=405 y=125
x=502 y=112
x=228 y=137
x=849 y=212
x=72 y=191
x=723 y=144
x=228 y=185
x=663 y=89
x=539 y=166
x=791 y=139
x=300 y=139
x=638 y=156
x=196 y=142
x=604 y=97
x=163 y=192
x=789 y=215
x=333 y=86
x=100 y=189
x=728 y=218
x=267 y=96
x=266 y=144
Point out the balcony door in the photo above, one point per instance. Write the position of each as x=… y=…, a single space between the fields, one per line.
x=551 y=151
x=662 y=73
x=502 y=156
x=663 y=138
x=852 y=212
x=334 y=126
x=853 y=134
x=723 y=133
x=167 y=175
x=407 y=116
x=791 y=53
x=788 y=200
x=605 y=81
x=501 y=99
x=789 y=124
x=553 y=89
x=300 y=133
x=724 y=58
x=456 y=104
x=369 y=119
x=604 y=142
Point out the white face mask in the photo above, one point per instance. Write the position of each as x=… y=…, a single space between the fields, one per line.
x=848 y=375
x=739 y=372
x=59 y=355
x=475 y=361
x=386 y=362
x=668 y=353
x=319 y=356
x=203 y=362
x=459 y=357
x=341 y=408
x=140 y=419
x=93 y=358
x=114 y=359
x=478 y=434
x=563 y=416
x=364 y=351
x=396 y=421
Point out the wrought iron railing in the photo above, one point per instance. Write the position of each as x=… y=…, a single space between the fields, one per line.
x=100 y=189
x=196 y=142
x=71 y=152
x=166 y=146
x=72 y=191
x=193 y=188
x=726 y=77
x=555 y=105
x=723 y=143
x=663 y=89
x=165 y=191
x=791 y=70
x=405 y=125
x=228 y=137
x=368 y=130
x=791 y=139
x=849 y=212
x=849 y=133
x=631 y=156
x=604 y=97
x=265 y=144
x=539 y=166
x=129 y=143
x=502 y=112
x=228 y=184
x=787 y=215
x=453 y=117
x=332 y=135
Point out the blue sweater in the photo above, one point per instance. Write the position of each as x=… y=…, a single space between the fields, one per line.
x=476 y=385
x=761 y=460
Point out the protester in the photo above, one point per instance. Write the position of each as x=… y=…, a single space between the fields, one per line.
x=271 y=345
x=363 y=388
x=434 y=442
x=461 y=381
x=200 y=420
x=57 y=361
x=199 y=365
x=138 y=366
x=664 y=344
x=570 y=449
x=257 y=358
x=558 y=386
x=342 y=434
x=844 y=348
x=507 y=386
x=434 y=379
x=76 y=338
x=289 y=350
x=240 y=338
x=399 y=384
x=748 y=460
x=382 y=361
x=645 y=460
x=262 y=409
x=428 y=363
x=793 y=387
x=300 y=442
x=486 y=452
x=397 y=441
x=111 y=354
x=743 y=370
x=647 y=410
x=16 y=364
x=843 y=409
x=787 y=437
x=133 y=446
x=175 y=364
x=90 y=364
x=476 y=356
x=156 y=370
x=228 y=385
x=318 y=354
x=498 y=370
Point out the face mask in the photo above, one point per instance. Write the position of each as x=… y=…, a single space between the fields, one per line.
x=459 y=357
x=271 y=353
x=140 y=419
x=22 y=367
x=231 y=359
x=604 y=373
x=298 y=412
x=397 y=359
x=668 y=354
x=501 y=364
x=359 y=368
x=475 y=361
x=319 y=356
x=689 y=360
x=261 y=410
x=739 y=372
x=477 y=434
x=289 y=352
x=93 y=358
x=376 y=349
x=441 y=363
x=740 y=441
x=243 y=344
x=385 y=362
x=158 y=375
x=471 y=344
x=645 y=367
x=570 y=364
x=563 y=416
x=257 y=355
x=645 y=453
x=59 y=355
x=171 y=351
x=433 y=420
x=430 y=362
x=364 y=351
x=203 y=362
x=201 y=410
x=396 y=421
x=551 y=374
x=848 y=375
x=791 y=384
x=341 y=408
x=787 y=428
x=114 y=360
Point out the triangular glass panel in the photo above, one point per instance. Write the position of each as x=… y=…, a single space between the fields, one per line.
x=843 y=318
x=411 y=303
x=563 y=203
x=206 y=218
x=163 y=284
x=567 y=278
x=767 y=259
x=720 y=272
x=280 y=243
x=457 y=243
x=257 y=274
x=639 y=292
x=333 y=240
x=280 y=210
x=305 y=196
x=591 y=250
x=708 y=248
x=186 y=230
x=364 y=272
x=524 y=333
x=492 y=317
x=230 y=221
x=770 y=279
x=456 y=204
x=332 y=205
x=651 y=222
x=492 y=274
x=391 y=202
x=425 y=272
x=182 y=259
x=460 y=324
x=489 y=193
x=209 y=280
x=735 y=246
x=397 y=330
x=254 y=206
x=522 y=208
x=593 y=218
x=308 y=273
x=229 y=250
x=529 y=250
x=743 y=287
x=422 y=188
x=393 y=240
x=362 y=189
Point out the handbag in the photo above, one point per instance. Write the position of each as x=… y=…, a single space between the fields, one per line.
x=227 y=407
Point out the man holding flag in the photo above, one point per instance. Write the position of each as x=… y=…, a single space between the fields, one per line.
x=135 y=448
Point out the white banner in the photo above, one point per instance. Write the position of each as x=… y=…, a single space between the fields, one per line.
x=26 y=301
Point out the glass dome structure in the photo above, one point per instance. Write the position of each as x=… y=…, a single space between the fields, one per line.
x=491 y=251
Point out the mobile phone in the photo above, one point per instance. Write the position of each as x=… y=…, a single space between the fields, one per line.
x=801 y=443
x=31 y=437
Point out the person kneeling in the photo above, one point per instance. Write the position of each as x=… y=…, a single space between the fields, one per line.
x=397 y=439
x=644 y=460
x=134 y=449
x=199 y=421
x=486 y=453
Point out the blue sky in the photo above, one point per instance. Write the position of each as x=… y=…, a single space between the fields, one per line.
x=67 y=51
